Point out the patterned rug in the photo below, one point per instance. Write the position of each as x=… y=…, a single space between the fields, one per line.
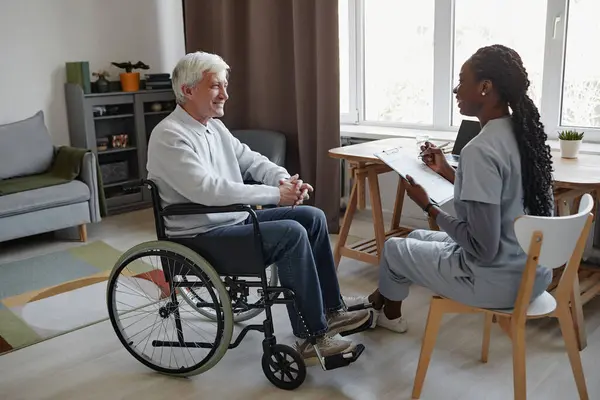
x=52 y=294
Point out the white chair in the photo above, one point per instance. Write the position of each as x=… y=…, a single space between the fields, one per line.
x=551 y=242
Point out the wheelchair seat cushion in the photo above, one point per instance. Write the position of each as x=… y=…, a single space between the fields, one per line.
x=233 y=256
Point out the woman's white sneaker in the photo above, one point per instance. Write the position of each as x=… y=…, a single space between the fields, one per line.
x=398 y=325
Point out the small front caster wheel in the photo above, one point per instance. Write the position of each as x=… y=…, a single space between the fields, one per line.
x=284 y=368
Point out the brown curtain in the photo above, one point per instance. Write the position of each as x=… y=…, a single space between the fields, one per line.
x=284 y=61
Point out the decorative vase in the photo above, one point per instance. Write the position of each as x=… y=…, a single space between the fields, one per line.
x=569 y=148
x=130 y=81
x=102 y=84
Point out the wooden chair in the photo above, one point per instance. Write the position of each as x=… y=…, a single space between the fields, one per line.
x=548 y=241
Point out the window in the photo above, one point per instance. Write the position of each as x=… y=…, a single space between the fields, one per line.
x=581 y=85
x=392 y=73
x=480 y=23
x=399 y=61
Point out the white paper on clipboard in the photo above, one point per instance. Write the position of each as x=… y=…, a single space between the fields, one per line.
x=406 y=163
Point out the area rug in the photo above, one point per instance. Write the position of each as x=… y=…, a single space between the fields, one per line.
x=52 y=294
x=56 y=293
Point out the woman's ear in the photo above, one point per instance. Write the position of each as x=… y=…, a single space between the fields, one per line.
x=486 y=87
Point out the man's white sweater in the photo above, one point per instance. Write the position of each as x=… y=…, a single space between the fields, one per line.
x=205 y=164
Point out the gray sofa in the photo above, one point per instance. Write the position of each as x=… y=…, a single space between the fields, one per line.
x=26 y=150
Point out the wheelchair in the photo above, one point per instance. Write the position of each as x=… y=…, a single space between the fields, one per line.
x=173 y=302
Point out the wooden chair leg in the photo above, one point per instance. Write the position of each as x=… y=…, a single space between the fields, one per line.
x=504 y=323
x=83 y=233
x=487 y=331
x=577 y=313
x=568 y=331
x=434 y=320
x=519 y=363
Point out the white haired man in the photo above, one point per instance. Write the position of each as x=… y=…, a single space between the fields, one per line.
x=193 y=157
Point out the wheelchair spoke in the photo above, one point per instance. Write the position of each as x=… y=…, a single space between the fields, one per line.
x=148 y=311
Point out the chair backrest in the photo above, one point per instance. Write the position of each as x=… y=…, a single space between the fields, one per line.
x=468 y=130
x=560 y=234
x=271 y=144
x=552 y=242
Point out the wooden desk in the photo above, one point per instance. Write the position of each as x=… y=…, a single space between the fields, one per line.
x=366 y=167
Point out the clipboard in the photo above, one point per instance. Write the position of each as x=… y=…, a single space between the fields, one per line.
x=405 y=163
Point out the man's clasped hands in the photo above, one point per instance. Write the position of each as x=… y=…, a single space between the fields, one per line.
x=293 y=191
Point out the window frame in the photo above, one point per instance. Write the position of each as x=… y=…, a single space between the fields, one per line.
x=553 y=70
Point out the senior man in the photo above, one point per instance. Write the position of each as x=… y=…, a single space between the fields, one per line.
x=194 y=158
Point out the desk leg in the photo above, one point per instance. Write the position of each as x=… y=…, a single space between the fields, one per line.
x=369 y=250
x=345 y=228
x=362 y=196
x=433 y=225
x=378 y=225
x=398 y=204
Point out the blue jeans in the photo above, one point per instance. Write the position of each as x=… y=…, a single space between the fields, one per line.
x=296 y=240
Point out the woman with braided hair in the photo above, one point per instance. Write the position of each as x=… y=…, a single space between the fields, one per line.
x=504 y=172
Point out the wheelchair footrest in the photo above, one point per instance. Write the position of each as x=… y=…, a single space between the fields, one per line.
x=361 y=328
x=360 y=307
x=344 y=359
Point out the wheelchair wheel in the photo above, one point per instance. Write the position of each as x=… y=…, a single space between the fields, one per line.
x=149 y=318
x=194 y=296
x=284 y=368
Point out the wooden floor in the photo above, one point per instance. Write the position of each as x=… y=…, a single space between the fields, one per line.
x=92 y=364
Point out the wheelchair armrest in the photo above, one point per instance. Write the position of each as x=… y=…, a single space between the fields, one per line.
x=193 y=208
x=196 y=209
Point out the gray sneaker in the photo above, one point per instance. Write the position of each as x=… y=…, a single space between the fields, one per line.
x=328 y=346
x=343 y=321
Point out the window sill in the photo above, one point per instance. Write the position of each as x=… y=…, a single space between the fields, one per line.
x=373 y=132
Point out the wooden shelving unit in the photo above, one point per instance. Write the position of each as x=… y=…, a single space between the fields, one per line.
x=101 y=115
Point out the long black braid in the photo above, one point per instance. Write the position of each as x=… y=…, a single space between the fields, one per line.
x=504 y=68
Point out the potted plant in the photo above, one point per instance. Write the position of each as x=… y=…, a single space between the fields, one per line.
x=101 y=83
x=130 y=81
x=570 y=141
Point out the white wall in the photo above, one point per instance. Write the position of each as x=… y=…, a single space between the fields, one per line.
x=37 y=37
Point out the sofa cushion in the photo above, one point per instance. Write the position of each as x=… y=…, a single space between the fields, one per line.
x=40 y=199
x=26 y=147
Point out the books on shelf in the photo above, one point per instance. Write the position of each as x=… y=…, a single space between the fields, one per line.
x=78 y=72
x=158 y=81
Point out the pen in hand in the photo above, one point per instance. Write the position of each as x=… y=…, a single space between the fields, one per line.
x=442 y=146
